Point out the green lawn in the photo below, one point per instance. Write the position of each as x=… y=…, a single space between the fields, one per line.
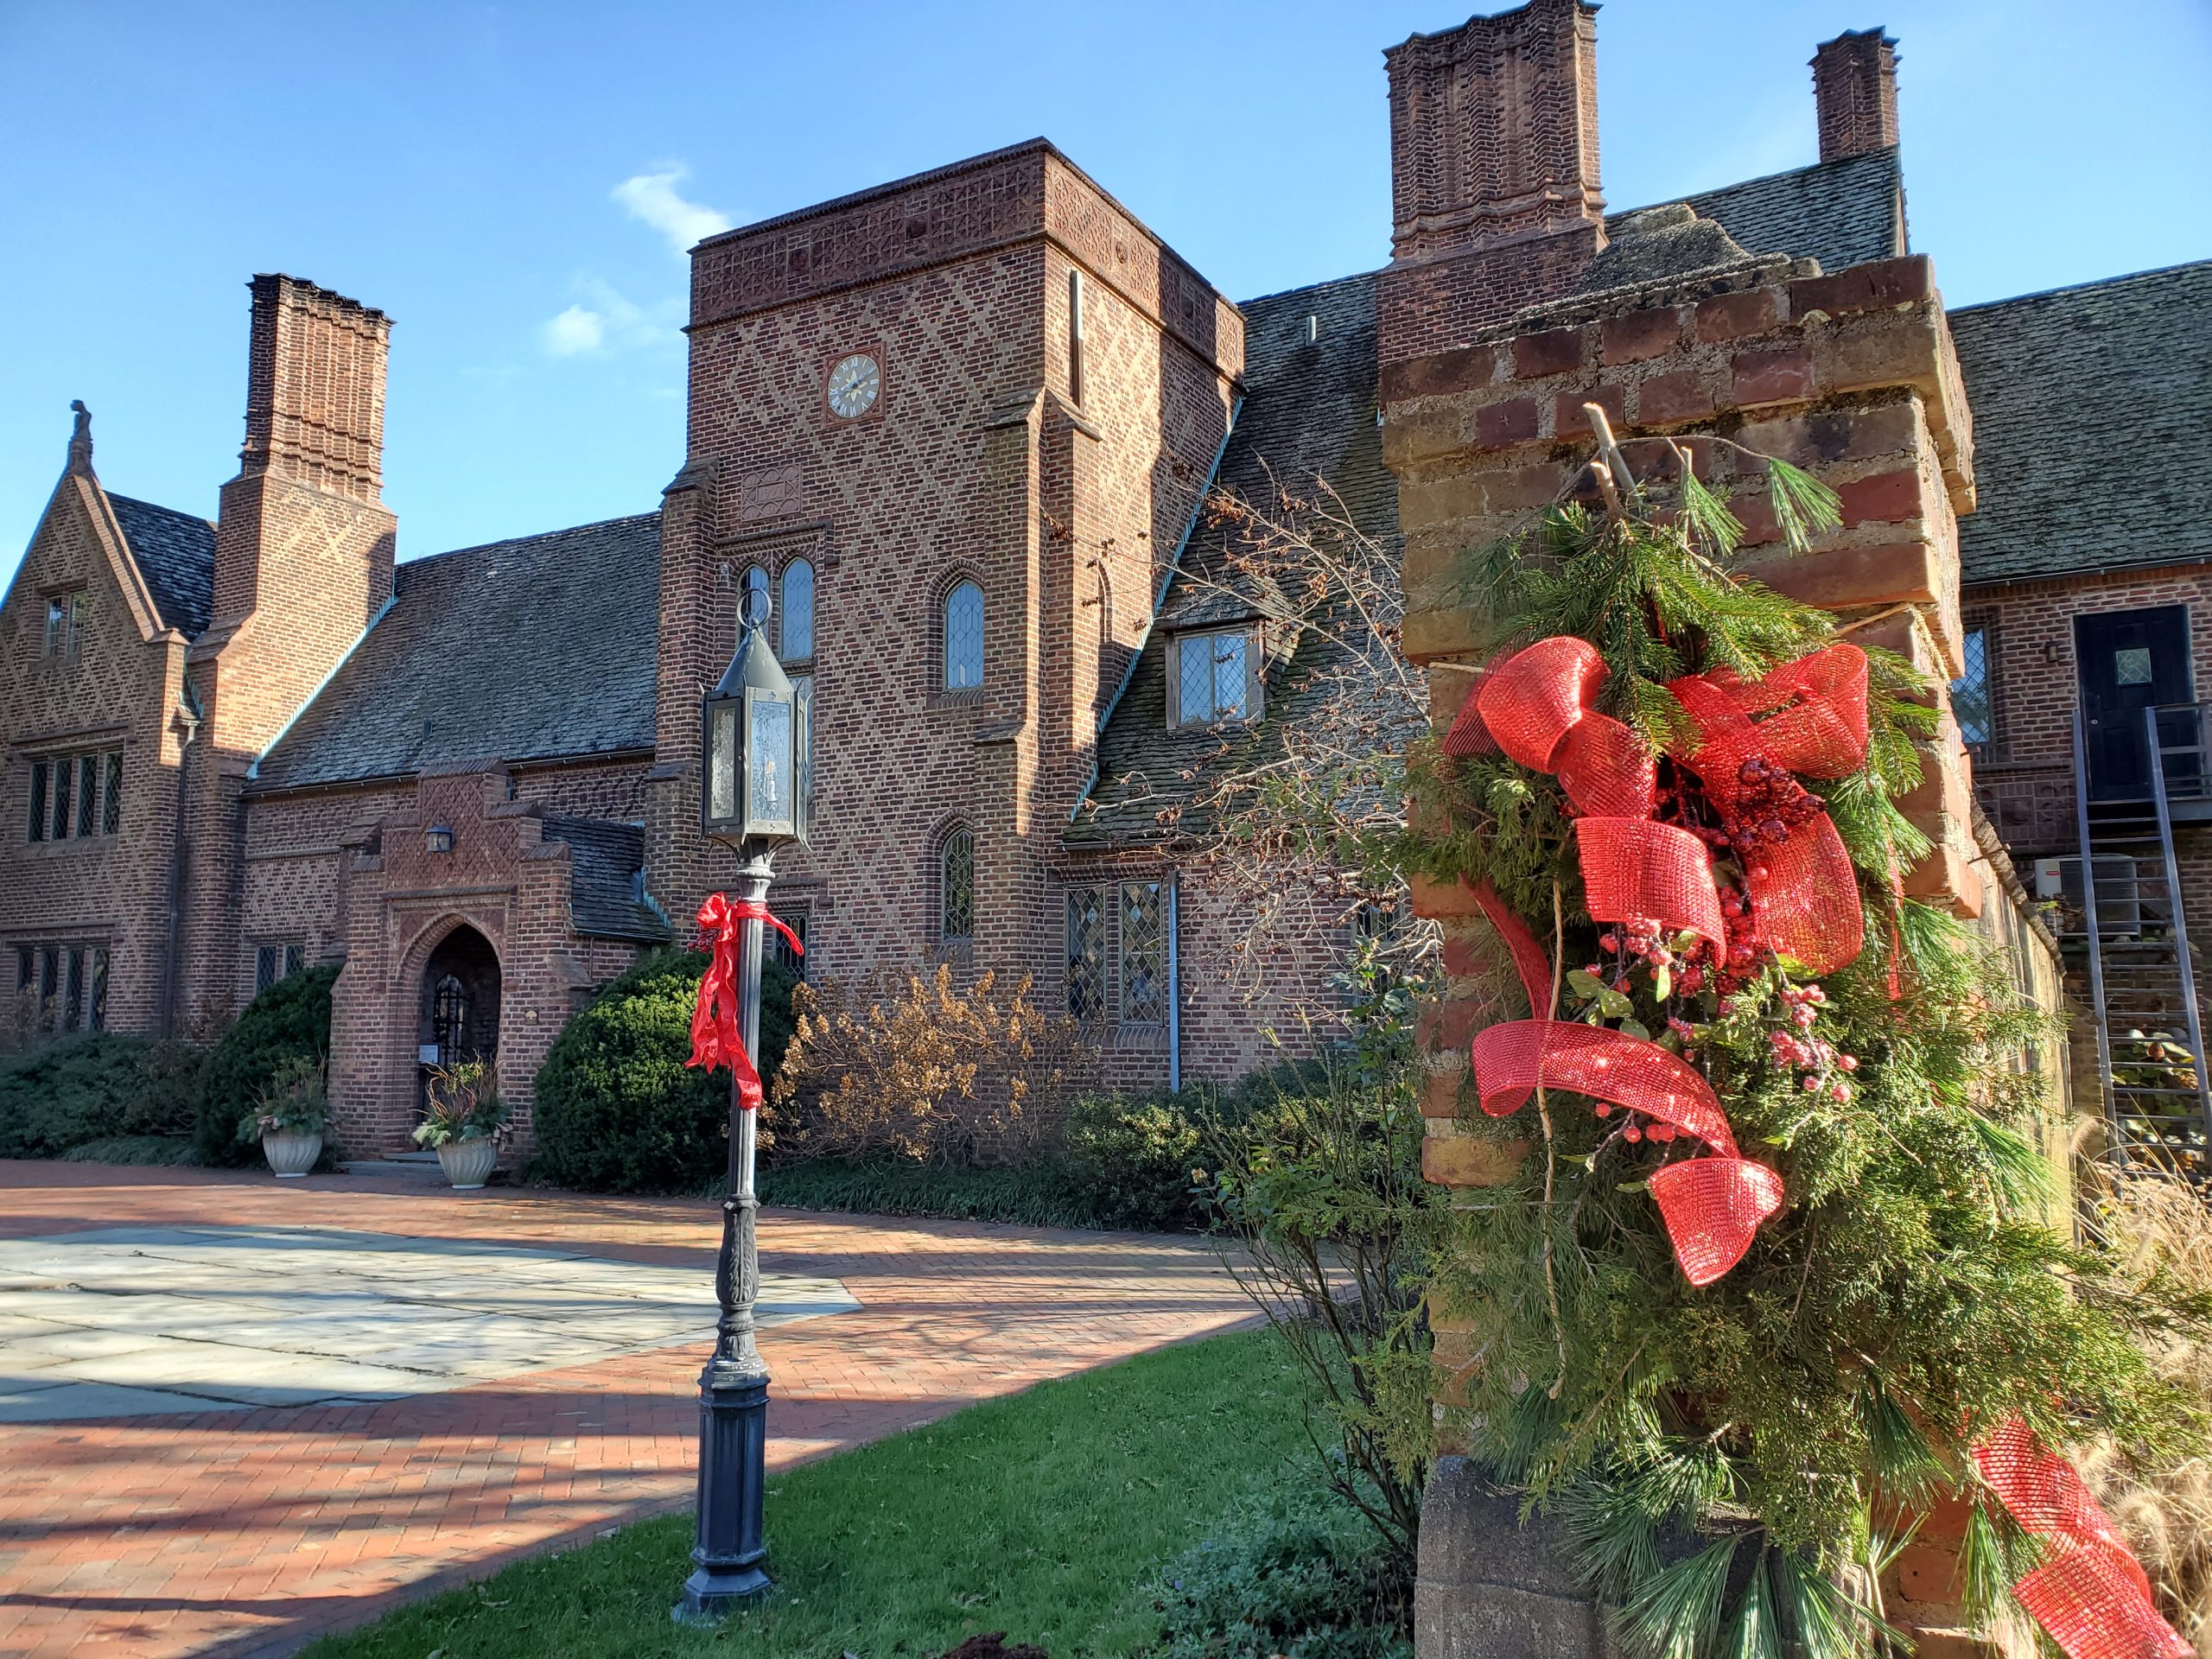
x=1043 y=1516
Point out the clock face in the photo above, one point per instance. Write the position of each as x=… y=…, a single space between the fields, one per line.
x=853 y=385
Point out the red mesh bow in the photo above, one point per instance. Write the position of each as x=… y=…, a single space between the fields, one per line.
x=1803 y=888
x=716 y=1036
x=1711 y=1205
x=2090 y=1591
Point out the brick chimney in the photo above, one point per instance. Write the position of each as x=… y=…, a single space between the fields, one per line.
x=1495 y=197
x=310 y=488
x=1855 y=91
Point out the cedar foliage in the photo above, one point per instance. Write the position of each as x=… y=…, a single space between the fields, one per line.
x=100 y=1086
x=1723 y=1459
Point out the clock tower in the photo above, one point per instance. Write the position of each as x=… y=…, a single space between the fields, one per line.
x=956 y=426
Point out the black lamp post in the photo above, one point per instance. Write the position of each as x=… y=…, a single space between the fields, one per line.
x=752 y=750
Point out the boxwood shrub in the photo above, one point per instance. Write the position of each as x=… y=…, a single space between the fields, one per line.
x=289 y=1020
x=100 y=1087
x=617 y=1110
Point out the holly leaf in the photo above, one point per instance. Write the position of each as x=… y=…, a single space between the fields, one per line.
x=1584 y=984
x=1635 y=1028
x=1613 y=1005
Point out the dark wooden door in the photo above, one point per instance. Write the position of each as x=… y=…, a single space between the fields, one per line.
x=2131 y=661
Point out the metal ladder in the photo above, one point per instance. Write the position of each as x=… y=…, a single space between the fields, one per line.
x=2157 y=1096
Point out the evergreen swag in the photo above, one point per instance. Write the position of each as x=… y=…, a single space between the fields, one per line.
x=1734 y=1465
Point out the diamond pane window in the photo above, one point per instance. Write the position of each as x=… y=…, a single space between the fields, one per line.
x=1970 y=703
x=957 y=885
x=2132 y=666
x=1086 y=954
x=1144 y=953
x=96 y=1015
x=796 y=611
x=1212 y=678
x=63 y=816
x=964 y=638
x=88 y=784
x=39 y=771
x=111 y=800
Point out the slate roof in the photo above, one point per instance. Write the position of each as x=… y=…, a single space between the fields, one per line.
x=1308 y=412
x=1840 y=213
x=524 y=650
x=2092 y=424
x=606 y=899
x=175 y=553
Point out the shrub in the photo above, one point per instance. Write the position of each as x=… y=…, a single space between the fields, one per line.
x=1297 y=1578
x=102 y=1086
x=617 y=1109
x=898 y=1065
x=288 y=1021
x=1139 y=1157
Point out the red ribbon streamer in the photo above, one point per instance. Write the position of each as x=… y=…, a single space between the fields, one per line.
x=1711 y=1205
x=716 y=1036
x=2090 y=1592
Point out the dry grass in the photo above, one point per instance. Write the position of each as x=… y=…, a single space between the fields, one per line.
x=2156 y=1221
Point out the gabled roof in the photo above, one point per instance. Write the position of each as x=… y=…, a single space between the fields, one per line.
x=539 y=648
x=2092 y=424
x=1308 y=414
x=176 y=554
x=606 y=899
x=1840 y=213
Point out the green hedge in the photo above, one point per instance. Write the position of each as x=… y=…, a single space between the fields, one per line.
x=617 y=1110
x=289 y=1020
x=102 y=1086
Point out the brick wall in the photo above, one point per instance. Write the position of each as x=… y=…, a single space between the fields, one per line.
x=116 y=690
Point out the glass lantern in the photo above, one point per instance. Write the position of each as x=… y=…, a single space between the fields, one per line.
x=754 y=743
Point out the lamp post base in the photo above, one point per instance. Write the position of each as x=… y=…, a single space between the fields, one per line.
x=733 y=1439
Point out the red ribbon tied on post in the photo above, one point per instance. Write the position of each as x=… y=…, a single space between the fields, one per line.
x=717 y=1038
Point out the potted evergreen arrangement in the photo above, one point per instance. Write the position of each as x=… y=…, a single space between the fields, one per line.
x=289 y=1117
x=464 y=1123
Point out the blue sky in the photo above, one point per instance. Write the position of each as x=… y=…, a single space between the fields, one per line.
x=512 y=184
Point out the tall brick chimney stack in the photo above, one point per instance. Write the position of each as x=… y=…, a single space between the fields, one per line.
x=311 y=476
x=1855 y=91
x=1495 y=198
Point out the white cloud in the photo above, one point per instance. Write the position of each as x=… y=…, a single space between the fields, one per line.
x=605 y=320
x=652 y=198
x=577 y=329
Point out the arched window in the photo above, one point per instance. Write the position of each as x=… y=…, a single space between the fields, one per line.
x=955 y=885
x=796 y=612
x=449 y=1018
x=964 y=638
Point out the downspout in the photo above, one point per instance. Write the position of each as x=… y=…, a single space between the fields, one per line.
x=1174 y=984
x=179 y=847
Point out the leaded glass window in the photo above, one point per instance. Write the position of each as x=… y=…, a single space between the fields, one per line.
x=796 y=611
x=111 y=799
x=64 y=772
x=1972 y=701
x=1212 y=677
x=1086 y=954
x=957 y=885
x=40 y=771
x=88 y=784
x=1144 y=952
x=964 y=638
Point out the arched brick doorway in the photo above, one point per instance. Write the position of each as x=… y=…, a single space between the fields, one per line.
x=460 y=1016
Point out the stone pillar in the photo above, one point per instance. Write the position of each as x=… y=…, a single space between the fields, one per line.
x=1850 y=376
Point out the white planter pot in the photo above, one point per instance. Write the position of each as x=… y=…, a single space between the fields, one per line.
x=291 y=1155
x=467 y=1164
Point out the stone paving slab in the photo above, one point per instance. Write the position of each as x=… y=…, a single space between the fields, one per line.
x=131 y=1321
x=242 y=1530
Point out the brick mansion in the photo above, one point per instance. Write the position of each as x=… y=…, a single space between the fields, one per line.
x=962 y=428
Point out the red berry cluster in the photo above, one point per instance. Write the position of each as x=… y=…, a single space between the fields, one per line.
x=1747 y=950
x=1813 y=1058
x=1640 y=938
x=1769 y=801
x=1638 y=1128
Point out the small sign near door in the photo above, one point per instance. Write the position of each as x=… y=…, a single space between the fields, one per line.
x=429 y=1054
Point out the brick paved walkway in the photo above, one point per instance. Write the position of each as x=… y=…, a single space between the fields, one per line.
x=245 y=1532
